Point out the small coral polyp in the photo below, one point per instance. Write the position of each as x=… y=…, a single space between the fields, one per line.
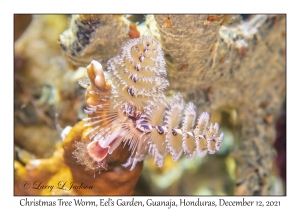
x=129 y=106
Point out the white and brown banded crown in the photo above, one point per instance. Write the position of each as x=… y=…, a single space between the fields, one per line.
x=138 y=73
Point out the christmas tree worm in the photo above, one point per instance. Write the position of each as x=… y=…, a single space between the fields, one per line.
x=128 y=106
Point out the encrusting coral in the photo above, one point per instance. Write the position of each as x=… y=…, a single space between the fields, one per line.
x=238 y=66
x=86 y=29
